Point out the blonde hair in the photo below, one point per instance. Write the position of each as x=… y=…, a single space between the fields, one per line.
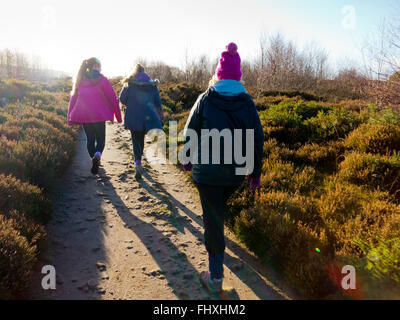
x=215 y=79
x=86 y=67
x=212 y=81
x=138 y=69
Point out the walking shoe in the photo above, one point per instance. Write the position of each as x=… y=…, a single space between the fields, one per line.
x=98 y=154
x=138 y=172
x=95 y=165
x=212 y=285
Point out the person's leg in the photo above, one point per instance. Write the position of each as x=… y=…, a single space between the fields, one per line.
x=228 y=192
x=212 y=202
x=140 y=137
x=137 y=148
x=138 y=145
x=90 y=137
x=100 y=138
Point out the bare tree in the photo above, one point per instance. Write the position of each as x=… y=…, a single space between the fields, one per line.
x=382 y=55
x=281 y=65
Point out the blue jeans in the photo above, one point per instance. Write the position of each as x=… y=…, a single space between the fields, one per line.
x=216 y=265
x=213 y=201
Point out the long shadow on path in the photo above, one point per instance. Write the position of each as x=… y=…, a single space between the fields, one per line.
x=175 y=266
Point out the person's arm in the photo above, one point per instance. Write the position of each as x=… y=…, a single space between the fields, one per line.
x=112 y=98
x=71 y=106
x=157 y=103
x=258 y=144
x=194 y=123
x=123 y=96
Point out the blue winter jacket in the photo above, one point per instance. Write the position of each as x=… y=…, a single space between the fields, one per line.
x=144 y=111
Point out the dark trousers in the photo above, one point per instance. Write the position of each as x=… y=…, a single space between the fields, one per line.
x=213 y=201
x=138 y=143
x=96 y=137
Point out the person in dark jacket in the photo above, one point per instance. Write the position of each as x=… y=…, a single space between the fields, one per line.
x=144 y=111
x=224 y=106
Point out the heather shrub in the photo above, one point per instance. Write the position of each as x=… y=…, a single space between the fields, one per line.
x=318 y=200
x=16 y=90
x=23 y=197
x=277 y=151
x=41 y=98
x=179 y=97
x=323 y=156
x=17 y=257
x=10 y=131
x=298 y=207
x=290 y=244
x=291 y=94
x=51 y=118
x=356 y=105
x=242 y=199
x=264 y=103
x=8 y=162
x=374 y=138
x=340 y=203
x=27 y=227
x=376 y=171
x=36 y=158
x=350 y=212
x=282 y=134
x=3 y=117
x=36 y=146
x=37 y=153
x=283 y=176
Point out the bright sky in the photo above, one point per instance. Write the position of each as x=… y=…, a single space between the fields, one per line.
x=64 y=32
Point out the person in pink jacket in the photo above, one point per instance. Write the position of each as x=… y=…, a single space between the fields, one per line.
x=93 y=102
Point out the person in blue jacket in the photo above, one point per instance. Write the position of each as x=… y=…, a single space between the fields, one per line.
x=224 y=106
x=144 y=111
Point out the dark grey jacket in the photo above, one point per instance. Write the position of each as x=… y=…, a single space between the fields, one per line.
x=144 y=111
x=215 y=111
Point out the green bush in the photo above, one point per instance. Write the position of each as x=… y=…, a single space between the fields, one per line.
x=382 y=260
x=332 y=125
x=385 y=116
x=283 y=114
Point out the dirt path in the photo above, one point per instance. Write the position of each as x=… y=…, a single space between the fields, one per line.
x=112 y=237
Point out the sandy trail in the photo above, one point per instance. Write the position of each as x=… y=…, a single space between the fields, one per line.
x=112 y=237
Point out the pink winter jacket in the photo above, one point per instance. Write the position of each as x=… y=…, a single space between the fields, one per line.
x=95 y=102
